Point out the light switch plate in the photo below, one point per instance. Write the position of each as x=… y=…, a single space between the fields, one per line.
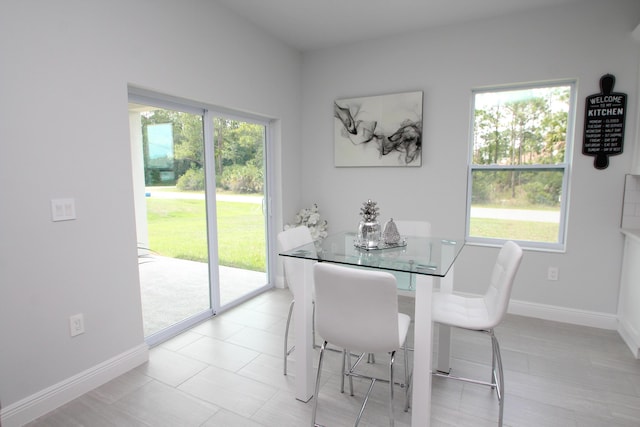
x=63 y=209
x=76 y=324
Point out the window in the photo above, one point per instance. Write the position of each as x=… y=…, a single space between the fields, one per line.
x=519 y=165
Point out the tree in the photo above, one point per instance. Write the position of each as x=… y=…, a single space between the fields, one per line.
x=239 y=155
x=189 y=145
x=489 y=138
x=518 y=128
x=237 y=144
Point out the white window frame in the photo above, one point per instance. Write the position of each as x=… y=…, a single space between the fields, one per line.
x=560 y=245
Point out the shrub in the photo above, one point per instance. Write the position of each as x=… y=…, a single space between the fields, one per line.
x=192 y=180
x=242 y=179
x=542 y=194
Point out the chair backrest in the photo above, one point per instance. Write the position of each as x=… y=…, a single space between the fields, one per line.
x=293 y=267
x=356 y=309
x=413 y=228
x=504 y=272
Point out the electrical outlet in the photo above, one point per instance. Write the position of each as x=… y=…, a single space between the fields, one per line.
x=552 y=273
x=76 y=324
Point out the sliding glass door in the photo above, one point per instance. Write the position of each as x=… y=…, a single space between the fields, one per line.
x=201 y=219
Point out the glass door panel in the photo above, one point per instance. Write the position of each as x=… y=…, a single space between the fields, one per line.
x=240 y=208
x=171 y=217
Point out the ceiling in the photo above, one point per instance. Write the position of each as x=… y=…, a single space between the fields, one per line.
x=313 y=24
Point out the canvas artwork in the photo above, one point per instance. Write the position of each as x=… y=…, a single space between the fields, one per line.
x=384 y=130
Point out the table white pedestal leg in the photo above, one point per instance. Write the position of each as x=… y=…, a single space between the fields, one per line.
x=444 y=332
x=423 y=335
x=302 y=314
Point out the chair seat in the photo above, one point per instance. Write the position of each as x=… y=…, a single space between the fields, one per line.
x=461 y=312
x=404 y=322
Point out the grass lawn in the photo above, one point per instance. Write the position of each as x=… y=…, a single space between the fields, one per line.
x=532 y=223
x=516 y=230
x=177 y=228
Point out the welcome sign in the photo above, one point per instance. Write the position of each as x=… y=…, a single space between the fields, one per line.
x=604 y=119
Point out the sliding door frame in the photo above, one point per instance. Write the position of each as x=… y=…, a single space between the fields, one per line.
x=208 y=113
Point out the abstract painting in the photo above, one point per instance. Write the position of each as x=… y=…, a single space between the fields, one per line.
x=383 y=130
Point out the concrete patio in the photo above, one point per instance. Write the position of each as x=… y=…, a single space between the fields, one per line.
x=173 y=289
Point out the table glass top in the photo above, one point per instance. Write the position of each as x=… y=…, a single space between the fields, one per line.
x=431 y=256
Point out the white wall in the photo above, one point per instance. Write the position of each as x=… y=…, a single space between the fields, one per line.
x=64 y=132
x=631 y=207
x=577 y=42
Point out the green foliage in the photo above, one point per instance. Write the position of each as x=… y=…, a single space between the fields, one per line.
x=237 y=143
x=517 y=188
x=152 y=177
x=544 y=189
x=238 y=152
x=192 y=180
x=242 y=179
x=189 y=140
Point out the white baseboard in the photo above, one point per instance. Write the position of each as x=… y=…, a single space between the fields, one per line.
x=44 y=401
x=280 y=283
x=565 y=315
x=555 y=313
x=630 y=336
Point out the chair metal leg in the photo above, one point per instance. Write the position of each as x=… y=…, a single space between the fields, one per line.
x=499 y=378
x=364 y=404
x=497 y=375
x=313 y=323
x=407 y=379
x=344 y=371
x=315 y=395
x=391 y=385
x=288 y=351
x=350 y=368
x=493 y=378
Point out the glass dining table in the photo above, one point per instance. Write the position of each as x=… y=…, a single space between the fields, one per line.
x=420 y=264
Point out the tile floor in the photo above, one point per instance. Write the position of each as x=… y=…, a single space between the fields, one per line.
x=227 y=371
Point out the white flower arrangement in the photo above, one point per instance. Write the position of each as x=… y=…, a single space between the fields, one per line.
x=311 y=218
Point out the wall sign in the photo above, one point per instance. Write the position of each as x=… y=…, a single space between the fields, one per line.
x=604 y=118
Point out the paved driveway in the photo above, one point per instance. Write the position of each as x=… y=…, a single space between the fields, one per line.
x=200 y=196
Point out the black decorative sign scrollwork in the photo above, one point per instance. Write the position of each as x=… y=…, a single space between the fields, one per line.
x=604 y=118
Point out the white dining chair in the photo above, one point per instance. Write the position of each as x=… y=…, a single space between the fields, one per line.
x=294 y=273
x=357 y=310
x=483 y=314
